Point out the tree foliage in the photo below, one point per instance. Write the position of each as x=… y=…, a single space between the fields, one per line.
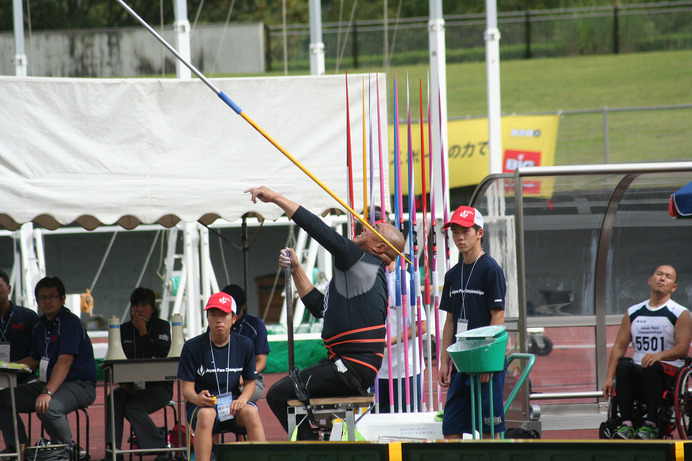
x=76 y=14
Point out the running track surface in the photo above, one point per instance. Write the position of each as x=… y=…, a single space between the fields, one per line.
x=569 y=367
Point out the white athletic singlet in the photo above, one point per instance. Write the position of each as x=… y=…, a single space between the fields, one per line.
x=653 y=330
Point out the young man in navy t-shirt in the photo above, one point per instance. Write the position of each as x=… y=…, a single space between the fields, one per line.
x=210 y=368
x=473 y=296
x=254 y=328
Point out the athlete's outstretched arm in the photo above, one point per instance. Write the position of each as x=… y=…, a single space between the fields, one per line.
x=267 y=195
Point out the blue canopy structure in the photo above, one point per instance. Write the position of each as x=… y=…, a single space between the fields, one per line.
x=680 y=204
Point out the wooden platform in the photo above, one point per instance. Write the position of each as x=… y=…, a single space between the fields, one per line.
x=329 y=407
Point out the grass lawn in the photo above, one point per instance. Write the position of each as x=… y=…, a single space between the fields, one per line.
x=569 y=83
x=582 y=83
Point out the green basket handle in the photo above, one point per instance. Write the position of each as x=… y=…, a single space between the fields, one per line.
x=524 y=375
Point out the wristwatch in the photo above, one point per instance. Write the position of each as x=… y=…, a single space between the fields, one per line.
x=46 y=391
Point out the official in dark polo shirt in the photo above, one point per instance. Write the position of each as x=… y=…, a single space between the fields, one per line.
x=61 y=350
x=16 y=324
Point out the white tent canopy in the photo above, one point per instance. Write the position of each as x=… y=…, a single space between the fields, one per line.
x=161 y=151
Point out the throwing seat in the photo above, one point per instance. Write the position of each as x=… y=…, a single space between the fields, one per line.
x=332 y=406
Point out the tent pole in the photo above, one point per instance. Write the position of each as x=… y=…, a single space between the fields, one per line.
x=243 y=240
x=20 y=61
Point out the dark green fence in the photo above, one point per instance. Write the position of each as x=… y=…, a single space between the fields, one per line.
x=525 y=34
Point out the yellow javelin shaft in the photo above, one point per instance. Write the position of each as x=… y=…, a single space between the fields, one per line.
x=317 y=181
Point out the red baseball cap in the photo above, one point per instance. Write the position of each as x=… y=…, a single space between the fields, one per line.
x=466 y=216
x=221 y=301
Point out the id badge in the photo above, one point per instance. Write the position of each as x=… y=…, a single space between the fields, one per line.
x=43 y=369
x=223 y=406
x=462 y=325
x=4 y=352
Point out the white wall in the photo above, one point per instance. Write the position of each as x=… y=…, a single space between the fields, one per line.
x=130 y=52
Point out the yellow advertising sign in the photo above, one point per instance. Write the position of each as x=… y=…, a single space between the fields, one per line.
x=527 y=140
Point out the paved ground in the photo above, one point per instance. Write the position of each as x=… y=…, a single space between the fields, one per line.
x=569 y=367
x=272 y=428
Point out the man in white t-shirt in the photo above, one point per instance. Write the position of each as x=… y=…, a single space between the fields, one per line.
x=398 y=362
x=659 y=330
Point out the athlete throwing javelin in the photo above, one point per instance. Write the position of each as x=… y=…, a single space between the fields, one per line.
x=354 y=307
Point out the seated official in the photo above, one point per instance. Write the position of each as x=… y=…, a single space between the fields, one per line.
x=16 y=327
x=210 y=369
x=61 y=350
x=145 y=335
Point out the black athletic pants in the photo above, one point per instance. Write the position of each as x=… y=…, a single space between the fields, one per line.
x=645 y=384
x=322 y=380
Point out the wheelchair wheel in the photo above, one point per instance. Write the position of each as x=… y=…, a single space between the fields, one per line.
x=683 y=403
x=607 y=428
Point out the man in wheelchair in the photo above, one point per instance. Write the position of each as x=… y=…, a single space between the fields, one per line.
x=659 y=330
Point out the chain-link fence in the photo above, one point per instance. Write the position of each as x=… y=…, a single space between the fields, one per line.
x=525 y=34
x=627 y=134
x=622 y=134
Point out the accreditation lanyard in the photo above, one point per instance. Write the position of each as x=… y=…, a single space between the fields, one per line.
x=223 y=401
x=4 y=343
x=45 y=360
x=4 y=326
x=462 y=321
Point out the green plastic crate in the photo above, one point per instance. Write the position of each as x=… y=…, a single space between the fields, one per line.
x=481 y=350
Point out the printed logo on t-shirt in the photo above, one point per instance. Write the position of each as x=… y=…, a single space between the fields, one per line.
x=466 y=292
x=202 y=371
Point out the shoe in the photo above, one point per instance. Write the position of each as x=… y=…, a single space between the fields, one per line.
x=646 y=432
x=624 y=433
x=163 y=457
x=46 y=453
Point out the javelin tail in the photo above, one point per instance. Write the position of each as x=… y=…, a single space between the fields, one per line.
x=399 y=216
x=371 y=156
x=426 y=263
x=412 y=254
x=433 y=231
x=383 y=209
x=365 y=161
x=349 y=164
